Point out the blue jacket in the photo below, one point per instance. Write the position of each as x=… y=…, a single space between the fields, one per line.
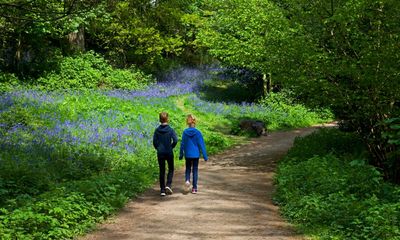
x=164 y=139
x=192 y=143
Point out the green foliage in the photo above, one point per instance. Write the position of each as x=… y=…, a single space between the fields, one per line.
x=216 y=141
x=274 y=115
x=71 y=209
x=8 y=82
x=337 y=54
x=393 y=131
x=250 y=35
x=247 y=34
x=139 y=32
x=34 y=32
x=129 y=32
x=334 y=193
x=324 y=142
x=349 y=52
x=17 y=115
x=90 y=71
x=289 y=114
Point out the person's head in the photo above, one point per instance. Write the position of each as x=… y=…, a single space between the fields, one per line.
x=191 y=120
x=163 y=117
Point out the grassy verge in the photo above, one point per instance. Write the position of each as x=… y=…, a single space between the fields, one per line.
x=326 y=187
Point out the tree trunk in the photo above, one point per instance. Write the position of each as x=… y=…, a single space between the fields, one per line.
x=76 y=40
x=18 y=53
x=267 y=84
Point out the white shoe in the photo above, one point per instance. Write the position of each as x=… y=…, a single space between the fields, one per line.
x=168 y=190
x=163 y=194
x=187 y=187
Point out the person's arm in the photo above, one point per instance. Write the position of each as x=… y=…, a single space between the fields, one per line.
x=174 y=139
x=182 y=146
x=203 y=147
x=155 y=140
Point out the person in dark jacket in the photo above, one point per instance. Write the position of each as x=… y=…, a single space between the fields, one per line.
x=164 y=141
x=191 y=146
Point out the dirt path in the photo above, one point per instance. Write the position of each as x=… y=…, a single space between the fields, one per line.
x=234 y=200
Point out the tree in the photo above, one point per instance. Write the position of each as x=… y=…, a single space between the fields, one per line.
x=32 y=30
x=37 y=34
x=140 y=32
x=338 y=54
x=353 y=66
x=249 y=34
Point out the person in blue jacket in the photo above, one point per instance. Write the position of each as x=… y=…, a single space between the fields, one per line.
x=164 y=141
x=191 y=145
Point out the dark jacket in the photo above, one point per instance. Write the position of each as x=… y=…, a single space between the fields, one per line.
x=164 y=139
x=192 y=143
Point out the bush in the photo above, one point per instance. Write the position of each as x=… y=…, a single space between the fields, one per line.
x=326 y=187
x=69 y=210
x=324 y=142
x=216 y=142
x=91 y=71
x=392 y=135
x=8 y=82
x=287 y=113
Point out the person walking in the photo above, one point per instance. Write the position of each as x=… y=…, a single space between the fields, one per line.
x=191 y=146
x=164 y=141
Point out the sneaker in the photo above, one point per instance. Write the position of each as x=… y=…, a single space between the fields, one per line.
x=186 y=187
x=162 y=194
x=168 y=190
x=194 y=190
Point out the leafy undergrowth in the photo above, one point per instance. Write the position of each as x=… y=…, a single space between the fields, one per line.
x=276 y=116
x=326 y=187
x=71 y=158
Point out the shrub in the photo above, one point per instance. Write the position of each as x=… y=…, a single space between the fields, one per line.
x=126 y=79
x=326 y=187
x=286 y=112
x=8 y=82
x=215 y=142
x=90 y=71
x=324 y=142
x=392 y=135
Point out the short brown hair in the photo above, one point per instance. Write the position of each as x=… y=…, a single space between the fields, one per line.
x=163 y=117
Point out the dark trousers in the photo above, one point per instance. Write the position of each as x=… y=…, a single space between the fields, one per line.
x=161 y=163
x=192 y=164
